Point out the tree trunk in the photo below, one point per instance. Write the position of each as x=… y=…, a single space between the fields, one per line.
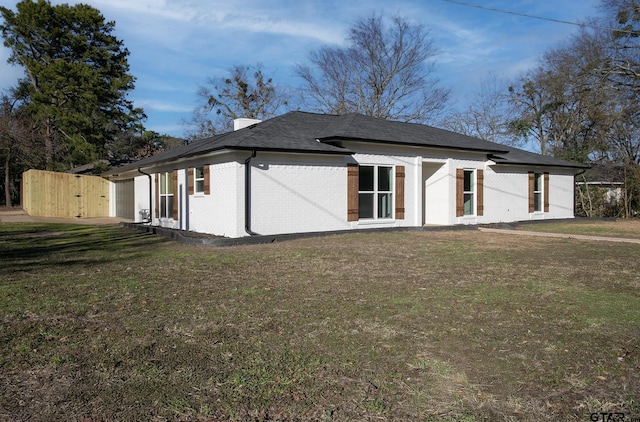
x=7 y=180
x=48 y=145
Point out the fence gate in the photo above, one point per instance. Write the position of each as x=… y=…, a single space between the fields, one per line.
x=63 y=195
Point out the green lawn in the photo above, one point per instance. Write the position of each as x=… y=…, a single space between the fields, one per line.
x=103 y=323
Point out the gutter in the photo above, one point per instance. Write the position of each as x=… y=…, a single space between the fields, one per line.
x=247 y=195
x=186 y=199
x=150 y=195
x=581 y=172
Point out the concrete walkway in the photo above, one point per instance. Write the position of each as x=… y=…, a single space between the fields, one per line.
x=16 y=215
x=560 y=235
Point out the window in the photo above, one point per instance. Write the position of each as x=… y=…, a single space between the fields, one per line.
x=166 y=195
x=469 y=193
x=199 y=180
x=372 y=191
x=375 y=192
x=537 y=192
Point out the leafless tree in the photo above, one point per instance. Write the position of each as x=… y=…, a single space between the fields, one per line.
x=566 y=104
x=623 y=68
x=532 y=102
x=384 y=71
x=246 y=92
x=19 y=147
x=489 y=116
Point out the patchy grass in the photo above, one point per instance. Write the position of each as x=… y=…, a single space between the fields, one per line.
x=101 y=323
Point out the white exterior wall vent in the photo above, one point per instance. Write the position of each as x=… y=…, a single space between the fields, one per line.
x=244 y=122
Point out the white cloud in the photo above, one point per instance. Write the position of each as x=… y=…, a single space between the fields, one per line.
x=144 y=9
x=158 y=105
x=283 y=27
x=172 y=20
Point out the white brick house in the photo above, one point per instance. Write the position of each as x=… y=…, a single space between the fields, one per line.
x=304 y=172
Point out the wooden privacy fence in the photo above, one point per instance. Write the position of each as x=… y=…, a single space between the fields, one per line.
x=63 y=195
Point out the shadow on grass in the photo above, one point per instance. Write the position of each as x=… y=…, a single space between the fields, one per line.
x=24 y=245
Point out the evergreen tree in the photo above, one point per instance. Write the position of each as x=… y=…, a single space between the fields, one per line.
x=76 y=76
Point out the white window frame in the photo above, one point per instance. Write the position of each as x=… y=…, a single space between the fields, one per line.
x=470 y=193
x=166 y=195
x=198 y=190
x=538 y=194
x=380 y=196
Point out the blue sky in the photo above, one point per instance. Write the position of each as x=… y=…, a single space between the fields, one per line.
x=176 y=45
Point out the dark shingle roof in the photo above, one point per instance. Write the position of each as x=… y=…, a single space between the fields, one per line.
x=357 y=126
x=320 y=133
x=606 y=173
x=518 y=156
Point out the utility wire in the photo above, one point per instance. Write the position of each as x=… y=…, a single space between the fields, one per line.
x=509 y=12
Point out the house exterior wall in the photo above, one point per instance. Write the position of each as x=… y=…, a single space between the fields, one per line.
x=436 y=192
x=506 y=194
x=561 y=194
x=112 y=199
x=294 y=193
x=222 y=211
x=141 y=199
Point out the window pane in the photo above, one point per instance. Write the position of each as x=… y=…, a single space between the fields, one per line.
x=537 y=201
x=384 y=205
x=468 y=180
x=169 y=184
x=537 y=182
x=384 y=179
x=468 y=204
x=199 y=172
x=365 y=205
x=163 y=206
x=365 y=178
x=163 y=182
x=169 y=206
x=199 y=186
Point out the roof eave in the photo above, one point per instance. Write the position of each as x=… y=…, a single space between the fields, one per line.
x=413 y=144
x=292 y=150
x=529 y=163
x=133 y=167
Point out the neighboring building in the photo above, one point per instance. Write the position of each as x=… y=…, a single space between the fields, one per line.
x=601 y=190
x=609 y=178
x=305 y=172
